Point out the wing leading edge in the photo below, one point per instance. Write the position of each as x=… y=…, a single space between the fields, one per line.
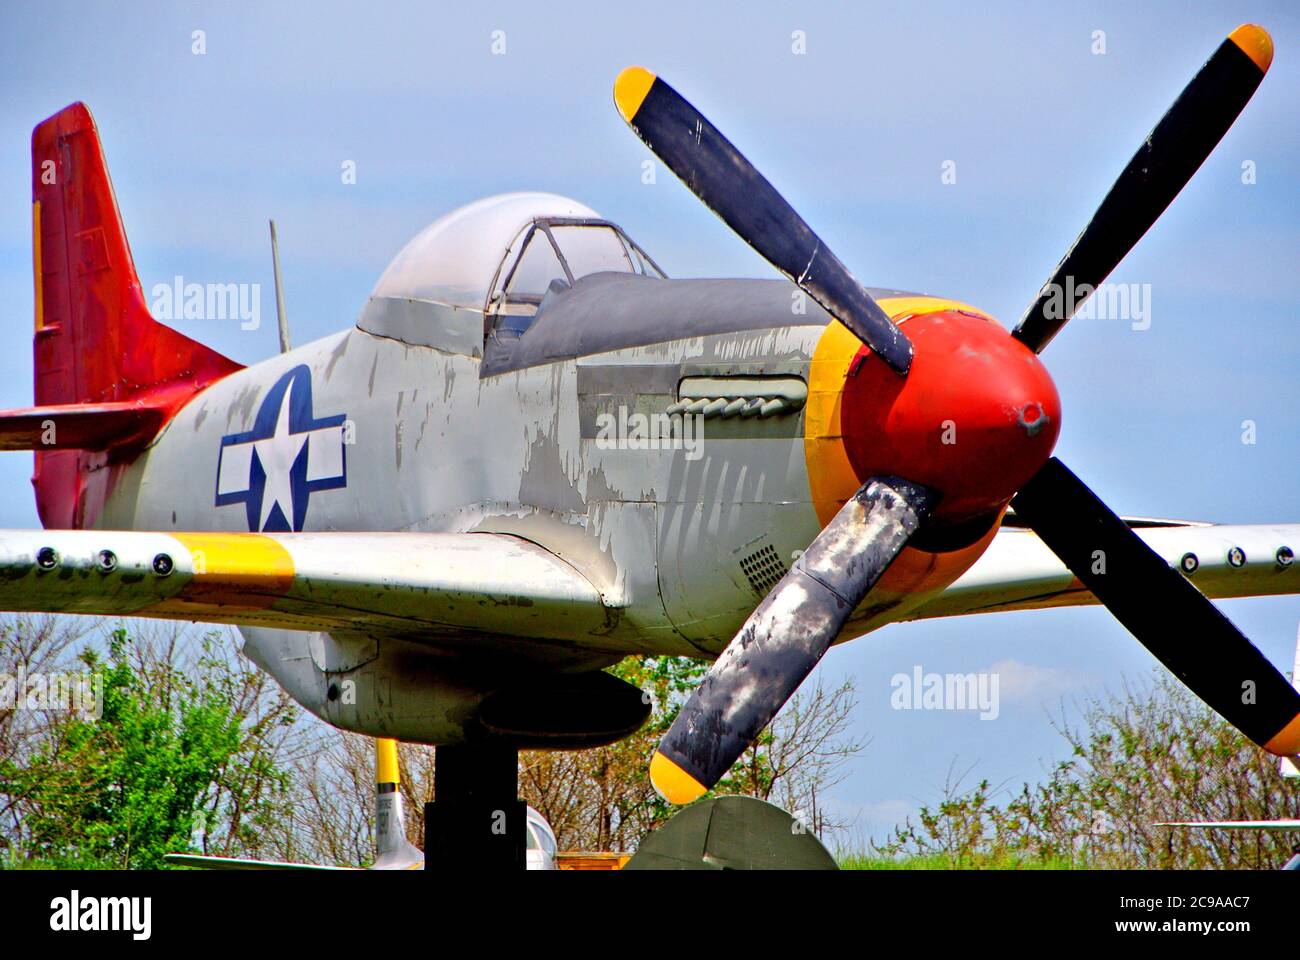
x=431 y=582
x=1019 y=572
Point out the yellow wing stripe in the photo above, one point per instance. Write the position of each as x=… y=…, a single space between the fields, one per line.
x=247 y=558
x=236 y=569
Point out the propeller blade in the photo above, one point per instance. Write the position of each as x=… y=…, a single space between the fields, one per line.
x=1159 y=606
x=716 y=172
x=784 y=638
x=1171 y=153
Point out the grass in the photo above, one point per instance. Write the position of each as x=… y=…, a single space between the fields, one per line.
x=55 y=863
x=862 y=861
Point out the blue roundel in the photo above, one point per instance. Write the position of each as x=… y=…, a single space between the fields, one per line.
x=274 y=468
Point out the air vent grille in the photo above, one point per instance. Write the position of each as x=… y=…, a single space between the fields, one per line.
x=763 y=569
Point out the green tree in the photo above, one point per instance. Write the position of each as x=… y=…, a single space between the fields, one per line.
x=1150 y=754
x=172 y=750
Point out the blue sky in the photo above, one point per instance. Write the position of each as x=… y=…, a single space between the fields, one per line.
x=203 y=149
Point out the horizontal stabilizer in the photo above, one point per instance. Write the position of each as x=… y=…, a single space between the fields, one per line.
x=126 y=426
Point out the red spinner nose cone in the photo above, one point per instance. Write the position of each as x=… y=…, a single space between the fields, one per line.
x=975 y=418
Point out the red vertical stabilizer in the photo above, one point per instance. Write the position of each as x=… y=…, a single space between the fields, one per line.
x=108 y=376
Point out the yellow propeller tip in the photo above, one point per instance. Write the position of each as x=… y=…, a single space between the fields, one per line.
x=630 y=90
x=673 y=783
x=1255 y=43
x=1286 y=742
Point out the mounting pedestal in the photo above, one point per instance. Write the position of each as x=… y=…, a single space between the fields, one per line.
x=476 y=821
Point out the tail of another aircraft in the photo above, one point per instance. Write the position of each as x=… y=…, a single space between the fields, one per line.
x=1290 y=766
x=108 y=376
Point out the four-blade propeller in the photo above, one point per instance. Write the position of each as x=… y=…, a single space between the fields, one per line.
x=795 y=624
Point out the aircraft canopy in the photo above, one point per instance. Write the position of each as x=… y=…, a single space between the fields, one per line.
x=498 y=245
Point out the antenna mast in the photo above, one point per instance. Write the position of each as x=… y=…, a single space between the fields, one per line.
x=279 y=293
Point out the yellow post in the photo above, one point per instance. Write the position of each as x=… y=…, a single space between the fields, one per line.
x=386 y=767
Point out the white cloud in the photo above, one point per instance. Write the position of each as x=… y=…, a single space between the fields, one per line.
x=1028 y=684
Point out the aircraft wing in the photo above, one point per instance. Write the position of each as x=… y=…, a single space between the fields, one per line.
x=1019 y=572
x=380 y=582
x=1234 y=824
x=232 y=863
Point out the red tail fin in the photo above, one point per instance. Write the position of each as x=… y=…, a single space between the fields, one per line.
x=96 y=343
